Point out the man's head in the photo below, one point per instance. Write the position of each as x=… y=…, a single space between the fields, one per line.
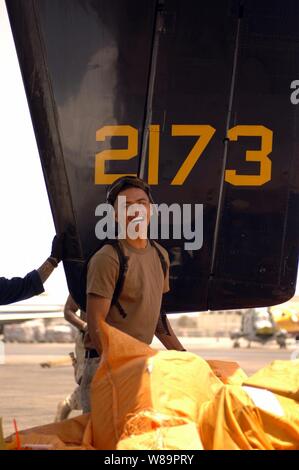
x=126 y=182
x=131 y=199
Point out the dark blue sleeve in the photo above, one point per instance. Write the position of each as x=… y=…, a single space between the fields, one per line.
x=17 y=288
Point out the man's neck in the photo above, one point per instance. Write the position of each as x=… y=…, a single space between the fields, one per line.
x=139 y=243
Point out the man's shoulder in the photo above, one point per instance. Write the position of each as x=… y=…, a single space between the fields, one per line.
x=107 y=251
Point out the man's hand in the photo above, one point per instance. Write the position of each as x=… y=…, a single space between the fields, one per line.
x=57 y=251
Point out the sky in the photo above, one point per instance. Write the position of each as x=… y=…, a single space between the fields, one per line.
x=27 y=226
x=26 y=221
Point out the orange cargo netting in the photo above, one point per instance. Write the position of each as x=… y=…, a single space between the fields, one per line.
x=145 y=399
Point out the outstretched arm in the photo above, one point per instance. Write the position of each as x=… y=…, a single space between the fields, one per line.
x=17 y=288
x=166 y=335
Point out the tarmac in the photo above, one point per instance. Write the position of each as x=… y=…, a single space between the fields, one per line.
x=30 y=393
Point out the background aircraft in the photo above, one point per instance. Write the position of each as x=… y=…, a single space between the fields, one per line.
x=258 y=326
x=286 y=317
x=42 y=306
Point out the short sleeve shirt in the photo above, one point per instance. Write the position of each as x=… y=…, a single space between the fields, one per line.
x=141 y=295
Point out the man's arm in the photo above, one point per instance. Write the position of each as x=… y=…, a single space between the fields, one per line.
x=45 y=270
x=70 y=315
x=170 y=341
x=97 y=311
x=165 y=333
x=18 y=288
x=22 y=288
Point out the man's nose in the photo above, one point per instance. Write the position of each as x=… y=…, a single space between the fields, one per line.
x=135 y=214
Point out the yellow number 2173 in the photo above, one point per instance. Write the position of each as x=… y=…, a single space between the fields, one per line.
x=204 y=134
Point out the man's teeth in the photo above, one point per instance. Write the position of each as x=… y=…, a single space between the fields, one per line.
x=137 y=219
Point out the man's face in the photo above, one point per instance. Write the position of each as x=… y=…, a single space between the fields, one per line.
x=133 y=204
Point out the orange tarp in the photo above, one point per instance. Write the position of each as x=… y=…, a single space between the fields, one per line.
x=145 y=399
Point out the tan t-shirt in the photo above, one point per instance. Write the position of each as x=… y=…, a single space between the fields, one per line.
x=141 y=295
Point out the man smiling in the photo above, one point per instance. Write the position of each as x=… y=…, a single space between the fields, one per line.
x=136 y=311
